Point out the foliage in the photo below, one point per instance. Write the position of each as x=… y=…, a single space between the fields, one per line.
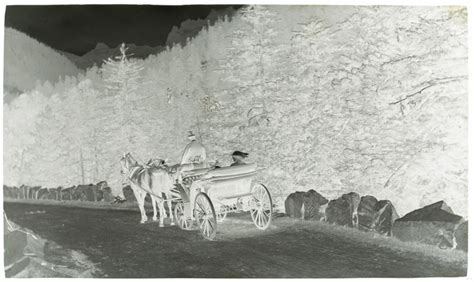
x=375 y=103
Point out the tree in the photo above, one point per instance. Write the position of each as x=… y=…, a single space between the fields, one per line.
x=124 y=107
x=251 y=57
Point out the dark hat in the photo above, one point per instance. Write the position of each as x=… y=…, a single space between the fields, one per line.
x=241 y=154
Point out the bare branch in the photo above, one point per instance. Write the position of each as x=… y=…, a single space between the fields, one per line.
x=411 y=95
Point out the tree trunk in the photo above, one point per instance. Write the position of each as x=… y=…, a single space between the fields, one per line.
x=82 y=167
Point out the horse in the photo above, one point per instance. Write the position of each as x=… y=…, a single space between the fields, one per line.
x=154 y=180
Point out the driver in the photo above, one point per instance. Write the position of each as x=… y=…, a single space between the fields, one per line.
x=194 y=152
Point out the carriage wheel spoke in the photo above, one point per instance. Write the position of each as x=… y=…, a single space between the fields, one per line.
x=205 y=228
x=211 y=224
x=264 y=217
x=208 y=228
x=261 y=206
x=253 y=212
x=205 y=216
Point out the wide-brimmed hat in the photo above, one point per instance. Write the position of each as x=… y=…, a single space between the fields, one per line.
x=240 y=154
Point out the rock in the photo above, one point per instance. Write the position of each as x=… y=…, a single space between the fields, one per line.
x=461 y=235
x=312 y=201
x=8 y=192
x=99 y=195
x=433 y=224
x=104 y=192
x=107 y=194
x=128 y=194
x=56 y=254
x=88 y=193
x=374 y=215
x=66 y=193
x=15 y=243
x=79 y=193
x=42 y=194
x=343 y=211
x=367 y=213
x=58 y=193
x=386 y=216
x=24 y=189
x=16 y=192
x=293 y=204
x=52 y=194
x=34 y=192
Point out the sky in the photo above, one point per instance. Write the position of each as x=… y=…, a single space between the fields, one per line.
x=78 y=28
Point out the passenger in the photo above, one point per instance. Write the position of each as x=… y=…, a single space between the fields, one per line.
x=238 y=158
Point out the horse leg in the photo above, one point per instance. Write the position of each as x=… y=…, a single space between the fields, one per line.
x=153 y=202
x=162 y=212
x=141 y=204
x=170 y=207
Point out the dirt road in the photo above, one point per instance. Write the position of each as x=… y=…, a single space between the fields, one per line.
x=121 y=247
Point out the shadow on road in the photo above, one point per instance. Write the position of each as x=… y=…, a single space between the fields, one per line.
x=121 y=247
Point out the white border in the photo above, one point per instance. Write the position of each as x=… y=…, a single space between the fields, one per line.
x=295 y=2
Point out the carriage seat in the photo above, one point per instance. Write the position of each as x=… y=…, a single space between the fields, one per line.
x=195 y=172
x=231 y=171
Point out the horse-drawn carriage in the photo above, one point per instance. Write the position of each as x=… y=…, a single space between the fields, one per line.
x=204 y=196
x=208 y=195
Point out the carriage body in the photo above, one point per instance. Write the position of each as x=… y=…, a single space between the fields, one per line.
x=213 y=193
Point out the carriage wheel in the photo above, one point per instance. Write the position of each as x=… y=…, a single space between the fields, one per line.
x=261 y=207
x=205 y=216
x=221 y=214
x=183 y=222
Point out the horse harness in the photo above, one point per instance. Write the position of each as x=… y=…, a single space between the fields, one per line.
x=135 y=173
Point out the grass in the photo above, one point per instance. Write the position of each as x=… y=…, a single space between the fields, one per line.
x=81 y=204
x=283 y=223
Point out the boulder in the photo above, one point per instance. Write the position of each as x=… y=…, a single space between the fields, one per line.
x=312 y=202
x=53 y=194
x=99 y=194
x=8 y=192
x=66 y=193
x=343 y=211
x=461 y=236
x=79 y=193
x=367 y=213
x=293 y=204
x=42 y=194
x=88 y=192
x=15 y=192
x=101 y=185
x=59 y=191
x=374 y=215
x=34 y=192
x=128 y=194
x=107 y=194
x=104 y=192
x=386 y=216
x=433 y=224
x=24 y=191
x=15 y=242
